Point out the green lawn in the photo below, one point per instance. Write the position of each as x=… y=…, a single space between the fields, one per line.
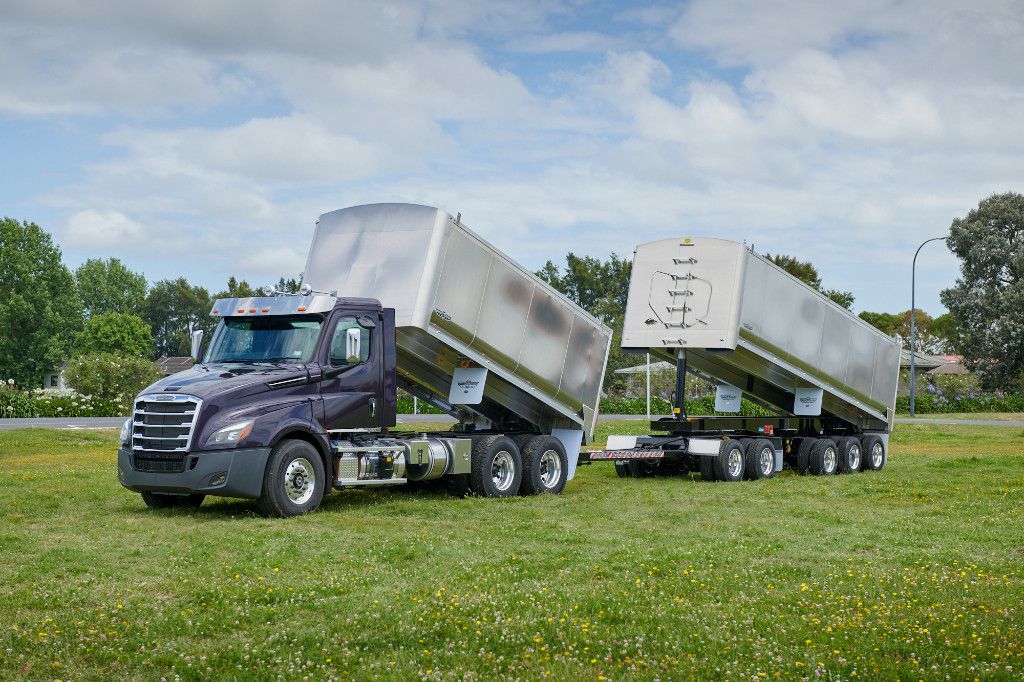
x=913 y=572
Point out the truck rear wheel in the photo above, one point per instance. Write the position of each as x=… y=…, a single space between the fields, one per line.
x=803 y=455
x=824 y=457
x=497 y=468
x=760 y=459
x=169 y=501
x=545 y=466
x=874 y=453
x=730 y=462
x=849 y=455
x=294 y=480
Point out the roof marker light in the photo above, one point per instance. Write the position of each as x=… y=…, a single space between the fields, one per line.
x=301 y=309
x=241 y=310
x=215 y=311
x=264 y=310
x=252 y=310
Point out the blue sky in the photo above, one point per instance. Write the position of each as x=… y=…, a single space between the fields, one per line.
x=204 y=138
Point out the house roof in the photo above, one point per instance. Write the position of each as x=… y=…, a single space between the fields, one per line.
x=922 y=361
x=950 y=368
x=173 y=365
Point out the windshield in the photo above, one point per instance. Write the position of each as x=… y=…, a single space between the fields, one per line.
x=265 y=339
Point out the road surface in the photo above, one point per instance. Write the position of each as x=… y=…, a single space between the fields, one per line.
x=116 y=422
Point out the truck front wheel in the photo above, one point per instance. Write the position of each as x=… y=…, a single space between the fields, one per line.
x=497 y=467
x=545 y=466
x=169 y=501
x=294 y=481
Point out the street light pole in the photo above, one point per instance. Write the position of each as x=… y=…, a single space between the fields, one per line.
x=913 y=352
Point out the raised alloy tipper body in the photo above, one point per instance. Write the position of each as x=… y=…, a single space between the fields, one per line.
x=297 y=392
x=723 y=312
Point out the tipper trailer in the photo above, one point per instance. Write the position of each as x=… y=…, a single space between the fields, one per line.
x=724 y=313
x=296 y=393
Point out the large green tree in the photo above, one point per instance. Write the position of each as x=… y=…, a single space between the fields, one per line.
x=931 y=334
x=600 y=287
x=173 y=310
x=107 y=286
x=886 y=322
x=987 y=300
x=39 y=308
x=237 y=288
x=127 y=335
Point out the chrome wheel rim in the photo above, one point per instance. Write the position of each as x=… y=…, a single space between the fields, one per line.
x=550 y=468
x=767 y=460
x=854 y=457
x=503 y=470
x=299 y=480
x=830 y=459
x=735 y=463
x=876 y=455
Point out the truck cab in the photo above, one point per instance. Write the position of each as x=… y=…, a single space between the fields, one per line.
x=294 y=395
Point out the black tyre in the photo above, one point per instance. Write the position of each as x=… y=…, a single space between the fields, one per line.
x=729 y=464
x=169 y=501
x=874 y=454
x=545 y=466
x=622 y=469
x=850 y=458
x=708 y=465
x=294 y=481
x=760 y=459
x=824 y=457
x=458 y=484
x=497 y=468
x=803 y=455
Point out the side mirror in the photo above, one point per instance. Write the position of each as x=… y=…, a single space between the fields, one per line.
x=197 y=343
x=353 y=338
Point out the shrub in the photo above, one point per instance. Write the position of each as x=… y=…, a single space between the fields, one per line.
x=71 y=404
x=405 y=405
x=15 y=404
x=660 y=406
x=110 y=378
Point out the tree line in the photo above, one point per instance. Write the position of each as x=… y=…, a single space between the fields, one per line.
x=50 y=314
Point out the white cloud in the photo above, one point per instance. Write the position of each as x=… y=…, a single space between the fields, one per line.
x=102 y=229
x=841 y=133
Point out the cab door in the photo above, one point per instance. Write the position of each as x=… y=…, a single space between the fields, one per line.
x=352 y=380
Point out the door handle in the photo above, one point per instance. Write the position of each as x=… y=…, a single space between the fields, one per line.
x=373 y=406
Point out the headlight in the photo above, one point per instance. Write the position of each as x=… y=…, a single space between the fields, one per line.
x=126 y=431
x=231 y=434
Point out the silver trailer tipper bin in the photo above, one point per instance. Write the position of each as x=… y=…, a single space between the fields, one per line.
x=744 y=321
x=465 y=316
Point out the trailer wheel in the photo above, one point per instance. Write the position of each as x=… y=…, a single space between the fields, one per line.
x=824 y=458
x=622 y=468
x=545 y=466
x=730 y=462
x=708 y=464
x=168 y=501
x=803 y=455
x=849 y=455
x=874 y=453
x=760 y=459
x=294 y=481
x=497 y=468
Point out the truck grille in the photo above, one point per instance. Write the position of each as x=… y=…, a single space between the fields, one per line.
x=162 y=426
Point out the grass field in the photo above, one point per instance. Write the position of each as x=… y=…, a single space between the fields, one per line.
x=913 y=572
